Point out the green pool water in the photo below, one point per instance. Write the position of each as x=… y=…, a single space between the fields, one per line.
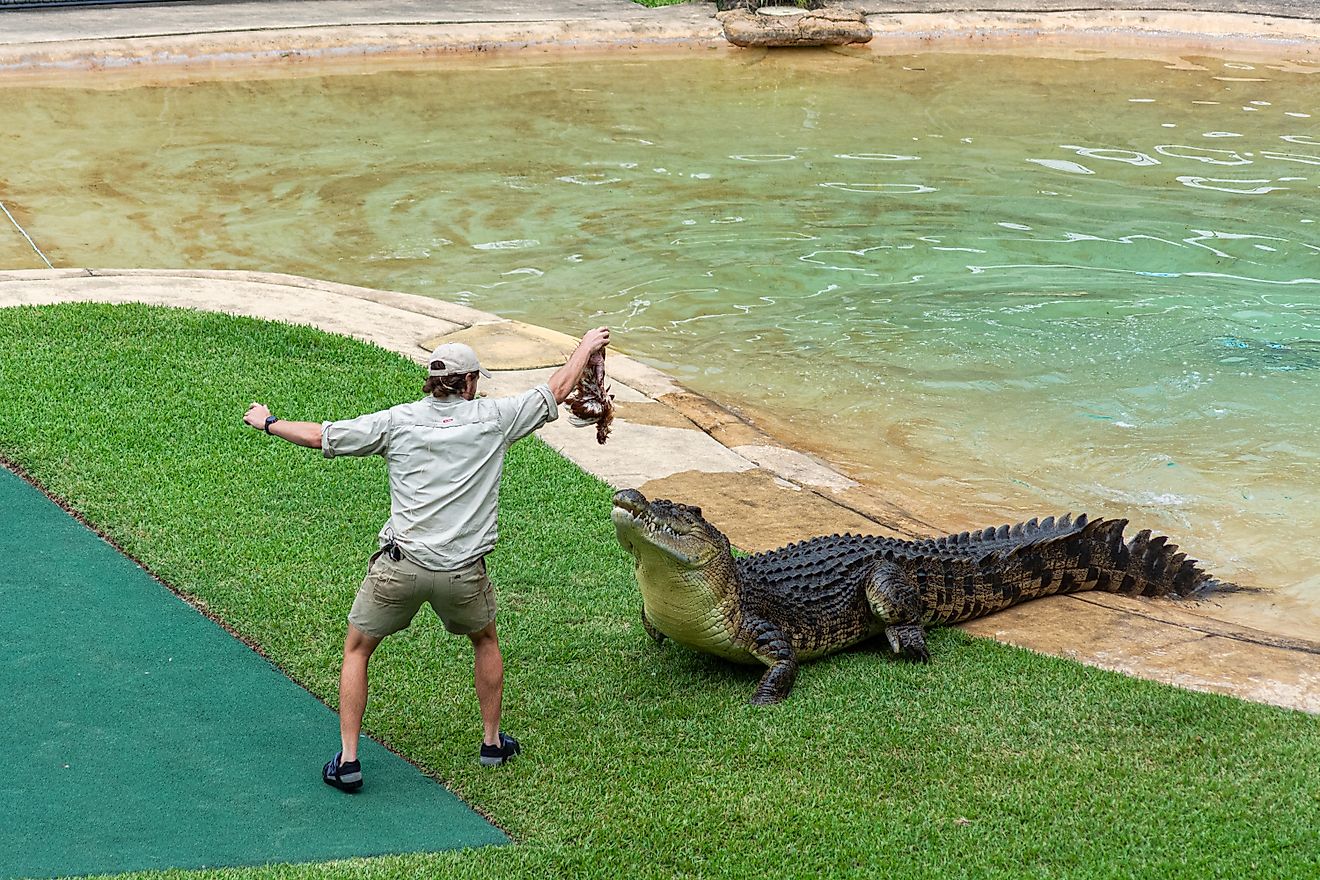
x=1001 y=286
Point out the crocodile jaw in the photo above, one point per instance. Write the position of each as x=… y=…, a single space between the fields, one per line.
x=685 y=577
x=645 y=535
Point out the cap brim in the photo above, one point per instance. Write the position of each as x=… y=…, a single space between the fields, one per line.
x=482 y=371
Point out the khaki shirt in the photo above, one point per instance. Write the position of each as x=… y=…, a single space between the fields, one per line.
x=445 y=458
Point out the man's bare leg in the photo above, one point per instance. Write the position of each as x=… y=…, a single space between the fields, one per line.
x=353 y=688
x=488 y=672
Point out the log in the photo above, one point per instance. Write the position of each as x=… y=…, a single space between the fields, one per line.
x=831 y=26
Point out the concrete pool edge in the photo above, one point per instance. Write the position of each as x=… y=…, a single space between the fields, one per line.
x=163 y=41
x=669 y=441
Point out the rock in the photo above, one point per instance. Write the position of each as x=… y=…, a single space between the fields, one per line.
x=830 y=26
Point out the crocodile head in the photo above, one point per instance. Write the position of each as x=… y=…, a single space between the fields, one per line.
x=678 y=554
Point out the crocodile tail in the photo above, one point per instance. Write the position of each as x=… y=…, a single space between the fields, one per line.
x=1148 y=565
x=1092 y=555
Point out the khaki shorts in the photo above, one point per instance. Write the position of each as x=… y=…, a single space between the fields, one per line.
x=393 y=590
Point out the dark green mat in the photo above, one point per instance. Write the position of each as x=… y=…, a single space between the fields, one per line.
x=138 y=734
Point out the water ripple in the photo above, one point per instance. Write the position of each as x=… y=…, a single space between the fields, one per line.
x=881 y=188
x=1291 y=157
x=1202 y=154
x=512 y=244
x=1063 y=165
x=1208 y=183
x=1131 y=157
x=877 y=157
x=589 y=179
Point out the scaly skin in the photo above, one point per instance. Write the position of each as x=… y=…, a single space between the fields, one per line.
x=826 y=594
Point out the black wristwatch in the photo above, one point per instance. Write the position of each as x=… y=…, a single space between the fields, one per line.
x=270 y=420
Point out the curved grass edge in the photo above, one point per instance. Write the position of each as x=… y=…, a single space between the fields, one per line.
x=991 y=762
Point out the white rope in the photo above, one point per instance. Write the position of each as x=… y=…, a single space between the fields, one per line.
x=25 y=235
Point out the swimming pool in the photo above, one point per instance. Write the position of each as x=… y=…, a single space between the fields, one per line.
x=1003 y=286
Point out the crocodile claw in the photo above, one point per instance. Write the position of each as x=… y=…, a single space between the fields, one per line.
x=655 y=634
x=909 y=642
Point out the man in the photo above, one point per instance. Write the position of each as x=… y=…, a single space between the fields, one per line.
x=445 y=455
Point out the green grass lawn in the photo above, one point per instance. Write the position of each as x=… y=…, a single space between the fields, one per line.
x=639 y=760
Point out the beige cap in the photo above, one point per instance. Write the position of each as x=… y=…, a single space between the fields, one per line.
x=456 y=359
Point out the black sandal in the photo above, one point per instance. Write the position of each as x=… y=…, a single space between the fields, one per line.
x=343 y=775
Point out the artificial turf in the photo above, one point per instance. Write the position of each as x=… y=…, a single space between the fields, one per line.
x=640 y=760
x=152 y=738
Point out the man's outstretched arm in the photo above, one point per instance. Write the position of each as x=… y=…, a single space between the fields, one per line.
x=563 y=379
x=302 y=433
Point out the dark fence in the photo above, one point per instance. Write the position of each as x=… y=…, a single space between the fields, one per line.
x=47 y=4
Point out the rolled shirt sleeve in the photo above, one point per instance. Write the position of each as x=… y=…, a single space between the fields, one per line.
x=365 y=435
x=523 y=414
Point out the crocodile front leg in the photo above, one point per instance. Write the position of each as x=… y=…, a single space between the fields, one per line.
x=896 y=603
x=770 y=645
x=650 y=628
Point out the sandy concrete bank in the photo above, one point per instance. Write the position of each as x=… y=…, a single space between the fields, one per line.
x=223 y=39
x=670 y=442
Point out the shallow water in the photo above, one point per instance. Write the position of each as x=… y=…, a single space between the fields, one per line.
x=1003 y=286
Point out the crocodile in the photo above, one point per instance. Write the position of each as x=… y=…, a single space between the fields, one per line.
x=822 y=595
